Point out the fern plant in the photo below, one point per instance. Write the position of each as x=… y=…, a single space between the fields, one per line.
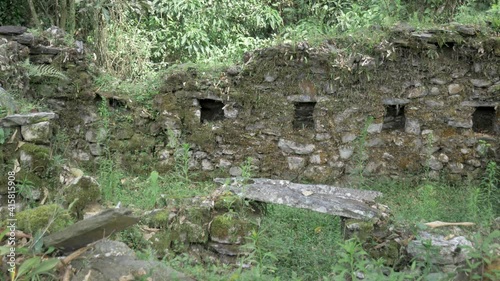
x=46 y=70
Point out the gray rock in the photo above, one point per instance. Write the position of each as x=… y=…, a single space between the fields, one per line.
x=235 y=171
x=113 y=260
x=233 y=70
x=375 y=128
x=95 y=136
x=345 y=114
x=301 y=98
x=206 y=165
x=480 y=83
x=12 y=30
x=443 y=158
x=322 y=136
x=80 y=155
x=230 y=112
x=95 y=149
x=395 y=101
x=295 y=163
x=465 y=30
x=346 y=152
x=460 y=124
x=443 y=251
x=432 y=103
x=348 y=137
x=376 y=142
x=456 y=168
x=454 y=89
x=412 y=126
x=224 y=163
x=37 y=133
x=434 y=164
x=270 y=77
x=417 y=92
x=435 y=91
x=26 y=119
x=90 y=230
x=474 y=162
x=293 y=147
x=316 y=159
x=438 y=81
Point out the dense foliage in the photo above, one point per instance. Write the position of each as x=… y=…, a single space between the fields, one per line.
x=157 y=33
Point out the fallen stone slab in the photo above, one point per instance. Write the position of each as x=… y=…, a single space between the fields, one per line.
x=113 y=260
x=26 y=119
x=345 y=202
x=90 y=230
x=12 y=30
x=45 y=50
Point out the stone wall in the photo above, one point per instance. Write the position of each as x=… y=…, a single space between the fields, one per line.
x=425 y=101
x=418 y=102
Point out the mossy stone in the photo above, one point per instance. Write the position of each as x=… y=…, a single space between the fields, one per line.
x=37 y=158
x=161 y=242
x=37 y=219
x=360 y=229
x=86 y=190
x=227 y=229
x=228 y=202
x=160 y=219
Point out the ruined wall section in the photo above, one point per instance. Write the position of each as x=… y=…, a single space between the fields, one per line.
x=422 y=102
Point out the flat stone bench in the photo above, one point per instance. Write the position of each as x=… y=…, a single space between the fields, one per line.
x=344 y=202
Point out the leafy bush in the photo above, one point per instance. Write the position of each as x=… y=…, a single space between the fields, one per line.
x=187 y=30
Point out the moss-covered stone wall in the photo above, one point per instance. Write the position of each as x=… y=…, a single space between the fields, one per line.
x=425 y=102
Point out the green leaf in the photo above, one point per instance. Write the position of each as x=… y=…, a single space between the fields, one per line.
x=45 y=266
x=4 y=250
x=27 y=266
x=2 y=136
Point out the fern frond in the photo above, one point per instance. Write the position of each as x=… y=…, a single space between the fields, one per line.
x=44 y=71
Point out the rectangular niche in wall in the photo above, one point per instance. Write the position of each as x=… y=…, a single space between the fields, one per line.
x=394 y=118
x=211 y=110
x=483 y=119
x=303 y=117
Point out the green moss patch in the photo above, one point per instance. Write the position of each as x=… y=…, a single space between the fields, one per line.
x=37 y=219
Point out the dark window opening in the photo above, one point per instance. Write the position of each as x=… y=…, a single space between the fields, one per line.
x=483 y=119
x=304 y=112
x=211 y=110
x=394 y=118
x=116 y=103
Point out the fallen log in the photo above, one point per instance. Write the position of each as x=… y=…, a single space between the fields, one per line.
x=345 y=202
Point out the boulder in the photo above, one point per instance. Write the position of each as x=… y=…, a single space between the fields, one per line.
x=439 y=249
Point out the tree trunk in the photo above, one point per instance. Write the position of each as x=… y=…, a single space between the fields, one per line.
x=70 y=29
x=64 y=14
x=34 y=16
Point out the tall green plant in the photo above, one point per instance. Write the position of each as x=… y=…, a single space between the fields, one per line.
x=193 y=30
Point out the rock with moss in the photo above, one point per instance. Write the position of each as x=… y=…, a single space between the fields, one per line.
x=37 y=133
x=227 y=229
x=80 y=193
x=360 y=229
x=35 y=158
x=37 y=219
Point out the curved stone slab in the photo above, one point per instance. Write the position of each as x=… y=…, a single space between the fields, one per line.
x=90 y=230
